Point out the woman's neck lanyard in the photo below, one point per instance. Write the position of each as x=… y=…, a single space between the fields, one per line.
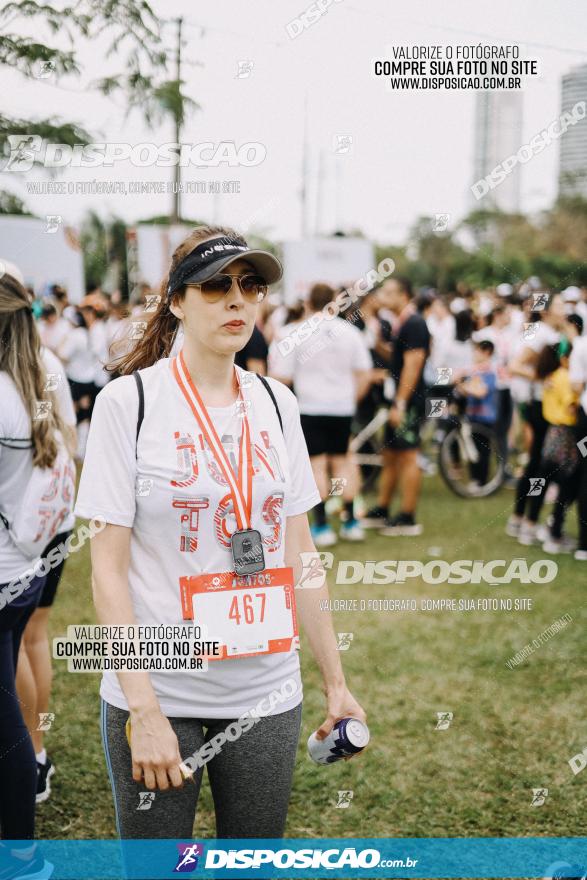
x=246 y=543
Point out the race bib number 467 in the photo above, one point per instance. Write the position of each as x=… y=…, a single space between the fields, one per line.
x=248 y=614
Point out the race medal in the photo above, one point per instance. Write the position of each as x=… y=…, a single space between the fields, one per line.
x=247 y=551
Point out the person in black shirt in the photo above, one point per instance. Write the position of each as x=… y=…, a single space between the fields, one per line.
x=253 y=356
x=410 y=349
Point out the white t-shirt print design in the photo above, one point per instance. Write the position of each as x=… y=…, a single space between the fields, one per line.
x=171 y=492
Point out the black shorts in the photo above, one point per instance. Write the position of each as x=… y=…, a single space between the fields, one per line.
x=327 y=434
x=80 y=390
x=407 y=435
x=54 y=574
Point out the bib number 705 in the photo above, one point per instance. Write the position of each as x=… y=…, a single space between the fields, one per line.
x=247 y=614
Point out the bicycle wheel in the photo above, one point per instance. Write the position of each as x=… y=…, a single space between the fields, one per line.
x=470 y=461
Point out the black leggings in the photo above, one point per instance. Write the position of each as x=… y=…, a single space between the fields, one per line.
x=18 y=764
x=250 y=778
x=539 y=427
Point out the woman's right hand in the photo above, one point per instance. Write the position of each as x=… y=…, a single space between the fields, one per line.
x=155 y=751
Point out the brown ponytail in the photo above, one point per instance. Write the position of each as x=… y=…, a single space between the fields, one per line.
x=20 y=358
x=157 y=339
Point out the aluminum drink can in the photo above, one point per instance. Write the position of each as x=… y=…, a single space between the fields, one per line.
x=347 y=737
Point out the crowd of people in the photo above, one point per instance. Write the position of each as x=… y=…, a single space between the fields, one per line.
x=514 y=356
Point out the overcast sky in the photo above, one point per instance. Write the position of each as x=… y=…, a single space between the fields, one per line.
x=412 y=152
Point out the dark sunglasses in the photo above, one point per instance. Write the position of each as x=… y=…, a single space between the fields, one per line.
x=253 y=287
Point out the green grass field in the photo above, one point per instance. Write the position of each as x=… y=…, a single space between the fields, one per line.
x=513 y=729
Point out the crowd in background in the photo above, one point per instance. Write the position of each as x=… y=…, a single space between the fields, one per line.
x=516 y=355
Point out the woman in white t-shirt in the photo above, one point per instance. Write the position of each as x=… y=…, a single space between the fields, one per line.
x=212 y=477
x=28 y=445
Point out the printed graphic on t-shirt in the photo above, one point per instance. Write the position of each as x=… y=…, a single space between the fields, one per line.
x=195 y=454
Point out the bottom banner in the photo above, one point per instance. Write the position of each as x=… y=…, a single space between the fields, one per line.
x=547 y=857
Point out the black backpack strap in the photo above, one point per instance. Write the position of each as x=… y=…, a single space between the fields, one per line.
x=269 y=391
x=141 y=412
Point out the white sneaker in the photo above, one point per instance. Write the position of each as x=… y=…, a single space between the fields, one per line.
x=323 y=536
x=351 y=531
x=542 y=533
x=512 y=527
x=580 y=555
x=555 y=546
x=527 y=535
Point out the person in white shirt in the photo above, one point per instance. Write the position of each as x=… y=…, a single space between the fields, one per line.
x=535 y=336
x=330 y=370
x=28 y=446
x=53 y=329
x=210 y=474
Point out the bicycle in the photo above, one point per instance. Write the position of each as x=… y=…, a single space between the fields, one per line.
x=464 y=449
x=469 y=456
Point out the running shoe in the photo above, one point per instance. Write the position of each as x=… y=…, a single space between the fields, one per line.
x=513 y=525
x=403 y=525
x=323 y=536
x=45 y=772
x=351 y=531
x=14 y=868
x=374 y=518
x=558 y=545
x=527 y=536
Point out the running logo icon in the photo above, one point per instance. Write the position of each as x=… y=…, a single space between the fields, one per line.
x=536 y=486
x=189 y=854
x=436 y=407
x=314 y=565
x=344 y=799
x=146 y=799
x=539 y=796
x=444 y=719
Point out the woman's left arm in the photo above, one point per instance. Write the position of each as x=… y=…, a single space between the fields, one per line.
x=317 y=624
